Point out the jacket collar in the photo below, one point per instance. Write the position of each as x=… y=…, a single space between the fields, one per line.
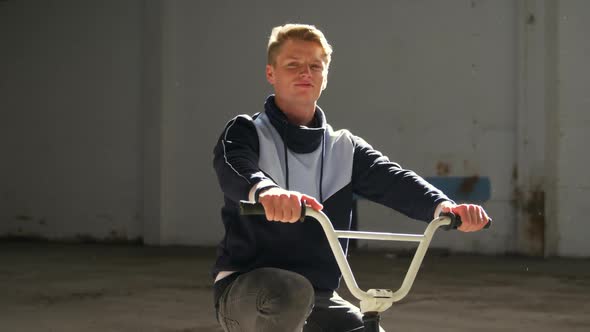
x=299 y=139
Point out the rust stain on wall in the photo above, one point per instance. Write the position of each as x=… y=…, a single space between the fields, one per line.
x=535 y=209
x=532 y=205
x=514 y=173
x=468 y=184
x=443 y=169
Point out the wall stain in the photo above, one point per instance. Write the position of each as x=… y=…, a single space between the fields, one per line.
x=535 y=208
x=530 y=19
x=114 y=237
x=532 y=205
x=21 y=236
x=468 y=184
x=443 y=169
x=514 y=173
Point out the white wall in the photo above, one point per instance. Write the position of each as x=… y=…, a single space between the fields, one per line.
x=113 y=108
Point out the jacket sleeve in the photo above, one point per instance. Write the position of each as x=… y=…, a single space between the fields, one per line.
x=235 y=160
x=376 y=178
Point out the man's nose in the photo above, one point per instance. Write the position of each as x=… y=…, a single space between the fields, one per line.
x=305 y=70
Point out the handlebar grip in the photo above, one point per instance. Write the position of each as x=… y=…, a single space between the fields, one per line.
x=257 y=209
x=251 y=209
x=456 y=221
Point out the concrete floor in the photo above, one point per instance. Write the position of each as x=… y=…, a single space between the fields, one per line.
x=59 y=287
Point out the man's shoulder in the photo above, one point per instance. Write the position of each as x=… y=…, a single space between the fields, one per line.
x=244 y=117
x=242 y=120
x=240 y=125
x=348 y=136
x=340 y=134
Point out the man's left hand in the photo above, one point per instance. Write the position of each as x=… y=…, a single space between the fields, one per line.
x=473 y=217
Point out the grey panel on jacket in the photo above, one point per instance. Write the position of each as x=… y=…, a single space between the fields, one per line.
x=304 y=169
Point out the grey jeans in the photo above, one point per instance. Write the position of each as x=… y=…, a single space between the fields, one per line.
x=270 y=299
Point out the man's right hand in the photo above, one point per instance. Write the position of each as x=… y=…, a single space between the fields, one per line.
x=285 y=206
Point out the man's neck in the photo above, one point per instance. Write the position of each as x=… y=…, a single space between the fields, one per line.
x=301 y=115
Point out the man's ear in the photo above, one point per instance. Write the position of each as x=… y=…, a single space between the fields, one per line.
x=270 y=74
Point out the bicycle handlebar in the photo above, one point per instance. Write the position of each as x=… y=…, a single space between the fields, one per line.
x=447 y=220
x=250 y=208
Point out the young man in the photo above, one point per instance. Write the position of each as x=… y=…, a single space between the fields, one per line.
x=272 y=272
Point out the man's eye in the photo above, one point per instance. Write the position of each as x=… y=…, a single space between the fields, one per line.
x=292 y=65
x=316 y=67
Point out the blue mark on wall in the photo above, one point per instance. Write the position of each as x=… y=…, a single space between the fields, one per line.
x=463 y=189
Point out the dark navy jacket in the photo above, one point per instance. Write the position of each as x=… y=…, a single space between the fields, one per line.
x=265 y=150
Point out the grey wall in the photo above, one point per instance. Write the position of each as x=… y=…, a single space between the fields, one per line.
x=69 y=101
x=446 y=96
x=400 y=70
x=110 y=110
x=573 y=122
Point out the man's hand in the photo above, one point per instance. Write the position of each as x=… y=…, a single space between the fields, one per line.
x=473 y=217
x=285 y=206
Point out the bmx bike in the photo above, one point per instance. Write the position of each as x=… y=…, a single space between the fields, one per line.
x=373 y=301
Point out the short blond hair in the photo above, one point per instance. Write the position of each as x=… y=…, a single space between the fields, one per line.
x=306 y=32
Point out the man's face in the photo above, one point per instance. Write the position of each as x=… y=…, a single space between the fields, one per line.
x=299 y=73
